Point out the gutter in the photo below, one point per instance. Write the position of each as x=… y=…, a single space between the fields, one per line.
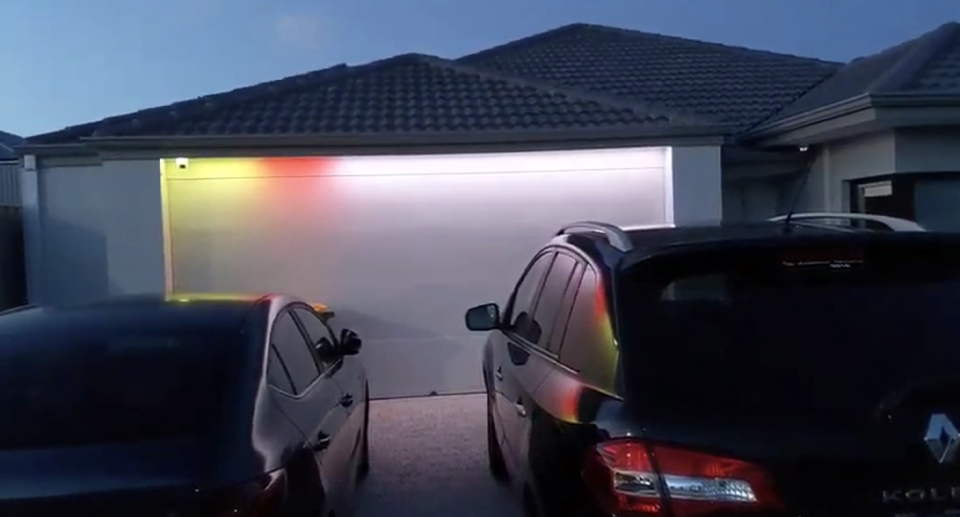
x=853 y=105
x=630 y=136
x=808 y=118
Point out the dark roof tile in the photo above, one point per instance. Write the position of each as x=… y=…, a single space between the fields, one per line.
x=733 y=86
x=410 y=93
x=942 y=73
x=186 y=109
x=927 y=64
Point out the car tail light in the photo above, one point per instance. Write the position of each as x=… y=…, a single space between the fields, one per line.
x=260 y=497
x=633 y=478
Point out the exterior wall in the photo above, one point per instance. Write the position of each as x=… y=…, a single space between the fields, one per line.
x=930 y=155
x=9 y=183
x=93 y=230
x=836 y=164
x=928 y=150
x=759 y=189
x=692 y=183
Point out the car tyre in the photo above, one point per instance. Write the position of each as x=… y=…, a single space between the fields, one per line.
x=498 y=467
x=365 y=451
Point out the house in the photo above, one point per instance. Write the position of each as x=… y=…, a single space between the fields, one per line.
x=405 y=190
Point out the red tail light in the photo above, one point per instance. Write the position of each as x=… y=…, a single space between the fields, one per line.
x=631 y=478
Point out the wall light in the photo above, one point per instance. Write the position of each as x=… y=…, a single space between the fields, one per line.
x=182 y=162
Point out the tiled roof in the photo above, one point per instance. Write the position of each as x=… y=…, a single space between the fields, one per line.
x=733 y=86
x=576 y=77
x=929 y=64
x=7 y=143
x=406 y=94
x=188 y=109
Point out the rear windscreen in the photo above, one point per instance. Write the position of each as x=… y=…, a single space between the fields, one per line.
x=831 y=329
x=67 y=391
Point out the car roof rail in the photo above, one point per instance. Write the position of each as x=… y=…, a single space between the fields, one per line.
x=893 y=224
x=614 y=234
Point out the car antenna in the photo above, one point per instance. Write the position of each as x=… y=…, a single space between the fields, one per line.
x=796 y=195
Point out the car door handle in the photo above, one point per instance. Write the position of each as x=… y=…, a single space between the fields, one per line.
x=521 y=411
x=323 y=441
x=499 y=374
x=346 y=400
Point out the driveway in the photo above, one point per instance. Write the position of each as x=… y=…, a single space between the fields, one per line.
x=428 y=458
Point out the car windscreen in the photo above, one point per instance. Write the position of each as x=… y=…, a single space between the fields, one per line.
x=831 y=330
x=58 y=390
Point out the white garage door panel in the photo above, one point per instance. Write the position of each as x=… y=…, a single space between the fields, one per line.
x=399 y=257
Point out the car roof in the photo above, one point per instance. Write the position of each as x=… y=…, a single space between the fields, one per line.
x=188 y=311
x=647 y=241
x=652 y=239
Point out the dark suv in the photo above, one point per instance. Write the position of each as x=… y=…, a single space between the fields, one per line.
x=794 y=367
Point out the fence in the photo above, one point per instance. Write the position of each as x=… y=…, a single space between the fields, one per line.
x=9 y=183
x=13 y=290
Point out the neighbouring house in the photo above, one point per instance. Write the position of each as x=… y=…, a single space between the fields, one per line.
x=405 y=190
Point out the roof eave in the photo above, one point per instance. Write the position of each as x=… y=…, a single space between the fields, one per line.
x=672 y=135
x=807 y=118
x=68 y=149
x=774 y=131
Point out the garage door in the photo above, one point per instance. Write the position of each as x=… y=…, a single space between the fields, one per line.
x=398 y=246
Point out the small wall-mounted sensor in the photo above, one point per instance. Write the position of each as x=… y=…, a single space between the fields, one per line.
x=182 y=162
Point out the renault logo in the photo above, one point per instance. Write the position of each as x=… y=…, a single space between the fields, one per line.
x=942 y=438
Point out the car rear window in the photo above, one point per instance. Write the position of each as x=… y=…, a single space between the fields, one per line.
x=116 y=387
x=814 y=328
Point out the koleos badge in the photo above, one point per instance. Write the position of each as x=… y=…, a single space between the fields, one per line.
x=942 y=438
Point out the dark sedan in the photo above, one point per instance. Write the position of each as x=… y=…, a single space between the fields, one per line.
x=184 y=406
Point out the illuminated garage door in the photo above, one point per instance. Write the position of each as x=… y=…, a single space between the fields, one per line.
x=398 y=246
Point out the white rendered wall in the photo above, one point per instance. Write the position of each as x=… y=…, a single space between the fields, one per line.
x=93 y=231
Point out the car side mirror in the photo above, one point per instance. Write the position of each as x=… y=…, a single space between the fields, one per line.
x=483 y=317
x=349 y=342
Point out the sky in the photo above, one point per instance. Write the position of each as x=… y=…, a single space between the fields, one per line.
x=66 y=62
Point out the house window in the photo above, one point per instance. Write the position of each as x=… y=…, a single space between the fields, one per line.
x=892 y=197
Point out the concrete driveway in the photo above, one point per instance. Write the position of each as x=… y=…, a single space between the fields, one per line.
x=428 y=458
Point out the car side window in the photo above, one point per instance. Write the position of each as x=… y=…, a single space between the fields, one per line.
x=277 y=374
x=525 y=298
x=563 y=315
x=551 y=297
x=297 y=357
x=588 y=345
x=317 y=331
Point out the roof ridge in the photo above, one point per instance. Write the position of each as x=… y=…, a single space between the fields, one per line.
x=573 y=94
x=720 y=46
x=522 y=41
x=923 y=49
x=191 y=107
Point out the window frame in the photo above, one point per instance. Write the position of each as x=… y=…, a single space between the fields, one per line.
x=511 y=302
x=273 y=353
x=549 y=333
x=287 y=310
x=334 y=341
